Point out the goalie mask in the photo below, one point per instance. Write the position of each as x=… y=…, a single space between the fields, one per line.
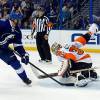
x=54 y=48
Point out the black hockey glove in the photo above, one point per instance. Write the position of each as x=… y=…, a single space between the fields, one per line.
x=25 y=58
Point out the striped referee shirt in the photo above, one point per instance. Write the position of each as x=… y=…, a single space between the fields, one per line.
x=41 y=24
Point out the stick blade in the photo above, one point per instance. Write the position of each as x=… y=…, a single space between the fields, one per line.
x=67 y=84
x=46 y=76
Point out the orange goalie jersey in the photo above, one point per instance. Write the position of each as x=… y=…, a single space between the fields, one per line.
x=74 y=52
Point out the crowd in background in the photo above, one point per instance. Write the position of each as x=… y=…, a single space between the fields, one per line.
x=27 y=10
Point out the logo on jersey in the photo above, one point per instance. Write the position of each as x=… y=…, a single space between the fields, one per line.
x=75 y=49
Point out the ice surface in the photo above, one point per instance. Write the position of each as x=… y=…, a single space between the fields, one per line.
x=12 y=88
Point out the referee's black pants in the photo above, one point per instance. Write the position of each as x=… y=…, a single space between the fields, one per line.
x=43 y=46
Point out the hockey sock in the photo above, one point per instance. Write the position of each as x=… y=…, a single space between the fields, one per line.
x=19 y=69
x=22 y=75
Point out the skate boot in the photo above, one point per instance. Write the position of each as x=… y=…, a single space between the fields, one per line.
x=90 y=74
x=27 y=81
x=41 y=60
x=81 y=81
x=48 y=61
x=93 y=75
x=81 y=77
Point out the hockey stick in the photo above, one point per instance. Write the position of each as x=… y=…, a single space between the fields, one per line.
x=35 y=71
x=50 y=74
x=63 y=84
x=71 y=72
x=66 y=84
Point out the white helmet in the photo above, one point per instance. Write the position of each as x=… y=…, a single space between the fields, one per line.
x=54 y=48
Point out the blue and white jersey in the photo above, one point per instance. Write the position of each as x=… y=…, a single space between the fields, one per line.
x=10 y=35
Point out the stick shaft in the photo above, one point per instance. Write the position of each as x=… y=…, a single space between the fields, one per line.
x=75 y=71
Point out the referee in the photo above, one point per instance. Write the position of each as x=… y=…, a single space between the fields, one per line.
x=41 y=28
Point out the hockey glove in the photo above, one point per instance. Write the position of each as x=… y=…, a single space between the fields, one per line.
x=93 y=28
x=25 y=58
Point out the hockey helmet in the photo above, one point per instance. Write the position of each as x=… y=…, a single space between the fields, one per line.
x=54 y=48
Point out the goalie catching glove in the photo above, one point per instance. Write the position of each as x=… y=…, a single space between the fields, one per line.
x=25 y=58
x=93 y=28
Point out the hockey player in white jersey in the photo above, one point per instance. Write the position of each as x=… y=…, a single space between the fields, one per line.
x=73 y=57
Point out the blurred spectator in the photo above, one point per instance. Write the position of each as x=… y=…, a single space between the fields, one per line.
x=34 y=14
x=81 y=23
x=96 y=19
x=17 y=9
x=4 y=5
x=4 y=9
x=5 y=14
x=76 y=25
x=28 y=7
x=52 y=15
x=66 y=15
x=45 y=3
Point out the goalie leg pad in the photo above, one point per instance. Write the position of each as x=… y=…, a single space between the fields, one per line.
x=65 y=69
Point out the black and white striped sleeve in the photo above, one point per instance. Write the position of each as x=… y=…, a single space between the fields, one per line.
x=48 y=25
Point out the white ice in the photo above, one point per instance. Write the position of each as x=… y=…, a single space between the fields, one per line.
x=12 y=88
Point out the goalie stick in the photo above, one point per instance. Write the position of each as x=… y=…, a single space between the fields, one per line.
x=63 y=84
x=71 y=72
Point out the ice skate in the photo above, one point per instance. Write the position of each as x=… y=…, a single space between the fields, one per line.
x=92 y=75
x=81 y=81
x=27 y=81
